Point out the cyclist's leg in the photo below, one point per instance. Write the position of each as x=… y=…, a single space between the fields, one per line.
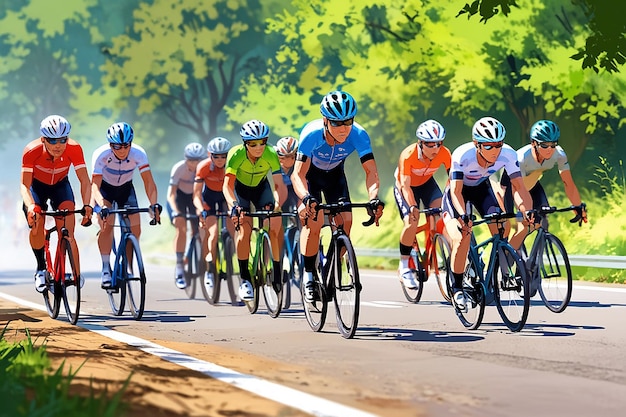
x=36 y=237
x=407 y=237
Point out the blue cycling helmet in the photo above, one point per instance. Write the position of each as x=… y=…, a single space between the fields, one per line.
x=253 y=130
x=338 y=105
x=488 y=129
x=545 y=131
x=120 y=133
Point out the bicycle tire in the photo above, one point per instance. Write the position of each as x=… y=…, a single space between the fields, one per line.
x=136 y=279
x=511 y=288
x=440 y=263
x=70 y=285
x=472 y=316
x=233 y=277
x=52 y=296
x=347 y=286
x=191 y=270
x=272 y=292
x=117 y=293
x=555 y=289
x=413 y=295
x=316 y=310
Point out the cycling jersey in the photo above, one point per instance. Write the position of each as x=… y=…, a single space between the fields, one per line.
x=39 y=162
x=182 y=177
x=418 y=170
x=212 y=176
x=248 y=173
x=325 y=157
x=115 y=171
x=287 y=176
x=532 y=171
x=465 y=164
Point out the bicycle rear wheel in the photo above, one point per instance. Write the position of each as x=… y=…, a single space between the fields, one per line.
x=192 y=266
x=233 y=277
x=70 y=285
x=52 y=296
x=272 y=291
x=347 y=289
x=440 y=264
x=472 y=315
x=414 y=295
x=316 y=310
x=136 y=279
x=511 y=288
x=556 y=275
x=212 y=285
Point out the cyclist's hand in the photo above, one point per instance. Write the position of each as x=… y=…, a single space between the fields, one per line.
x=529 y=216
x=375 y=209
x=235 y=215
x=33 y=212
x=87 y=213
x=104 y=213
x=581 y=214
x=310 y=203
x=465 y=224
x=155 y=212
x=414 y=212
x=202 y=217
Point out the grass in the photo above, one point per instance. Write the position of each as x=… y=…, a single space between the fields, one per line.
x=29 y=386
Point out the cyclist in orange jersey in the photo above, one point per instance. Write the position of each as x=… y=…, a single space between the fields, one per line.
x=414 y=182
x=46 y=163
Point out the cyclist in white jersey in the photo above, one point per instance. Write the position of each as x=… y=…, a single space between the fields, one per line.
x=113 y=167
x=180 y=203
x=542 y=154
x=472 y=165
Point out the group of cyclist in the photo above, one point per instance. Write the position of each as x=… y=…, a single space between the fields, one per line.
x=226 y=180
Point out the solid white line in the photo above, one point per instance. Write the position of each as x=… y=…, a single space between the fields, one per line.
x=284 y=395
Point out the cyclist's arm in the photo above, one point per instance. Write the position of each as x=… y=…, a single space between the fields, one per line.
x=521 y=196
x=229 y=190
x=171 y=197
x=85 y=185
x=407 y=192
x=197 y=196
x=280 y=189
x=96 y=195
x=150 y=186
x=371 y=178
x=298 y=177
x=27 y=181
x=570 y=188
x=456 y=196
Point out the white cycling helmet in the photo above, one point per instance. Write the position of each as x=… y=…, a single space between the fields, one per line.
x=218 y=146
x=55 y=126
x=488 y=129
x=286 y=146
x=431 y=131
x=194 y=151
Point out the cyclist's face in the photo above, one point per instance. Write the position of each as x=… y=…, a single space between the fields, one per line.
x=192 y=164
x=339 y=130
x=120 y=151
x=545 y=149
x=55 y=150
x=219 y=160
x=490 y=151
x=430 y=149
x=287 y=161
x=256 y=147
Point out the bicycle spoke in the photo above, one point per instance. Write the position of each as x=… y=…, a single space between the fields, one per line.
x=71 y=286
x=512 y=290
x=472 y=315
x=136 y=280
x=555 y=287
x=347 y=289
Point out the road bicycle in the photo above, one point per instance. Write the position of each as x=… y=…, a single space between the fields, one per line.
x=547 y=264
x=225 y=267
x=62 y=280
x=503 y=282
x=337 y=276
x=293 y=263
x=433 y=260
x=261 y=267
x=128 y=280
x=194 y=265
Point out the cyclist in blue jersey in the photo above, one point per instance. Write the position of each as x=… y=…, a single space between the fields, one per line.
x=286 y=149
x=324 y=146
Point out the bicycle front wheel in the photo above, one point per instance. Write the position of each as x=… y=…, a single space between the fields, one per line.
x=556 y=275
x=440 y=265
x=347 y=288
x=136 y=278
x=414 y=295
x=511 y=288
x=315 y=311
x=474 y=291
x=52 y=296
x=192 y=266
x=233 y=277
x=117 y=293
x=71 y=285
x=272 y=288
x=212 y=282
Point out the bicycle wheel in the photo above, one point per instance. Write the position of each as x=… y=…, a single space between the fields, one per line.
x=472 y=316
x=556 y=275
x=511 y=288
x=315 y=311
x=192 y=266
x=440 y=264
x=233 y=277
x=413 y=295
x=136 y=279
x=212 y=284
x=117 y=293
x=70 y=285
x=347 y=289
x=272 y=291
x=52 y=296
x=287 y=272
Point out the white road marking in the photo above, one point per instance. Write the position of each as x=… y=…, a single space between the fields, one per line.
x=284 y=395
x=383 y=304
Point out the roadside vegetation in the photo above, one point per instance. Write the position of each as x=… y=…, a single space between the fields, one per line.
x=30 y=386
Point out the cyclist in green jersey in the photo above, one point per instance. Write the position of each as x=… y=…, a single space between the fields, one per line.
x=246 y=183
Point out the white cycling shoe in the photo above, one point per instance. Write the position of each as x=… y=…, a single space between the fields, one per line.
x=408 y=278
x=308 y=283
x=246 y=292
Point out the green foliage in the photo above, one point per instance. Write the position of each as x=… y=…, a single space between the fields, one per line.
x=28 y=386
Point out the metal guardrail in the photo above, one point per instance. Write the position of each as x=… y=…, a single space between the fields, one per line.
x=592 y=261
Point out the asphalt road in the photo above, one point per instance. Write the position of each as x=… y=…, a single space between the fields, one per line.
x=566 y=364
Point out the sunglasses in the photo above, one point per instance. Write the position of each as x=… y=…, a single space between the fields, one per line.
x=432 y=144
x=335 y=123
x=490 y=147
x=118 y=146
x=255 y=143
x=546 y=145
x=54 y=141
x=218 y=156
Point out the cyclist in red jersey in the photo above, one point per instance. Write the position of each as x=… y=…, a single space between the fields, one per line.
x=46 y=163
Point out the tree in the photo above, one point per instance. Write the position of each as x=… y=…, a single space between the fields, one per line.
x=604 y=46
x=184 y=58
